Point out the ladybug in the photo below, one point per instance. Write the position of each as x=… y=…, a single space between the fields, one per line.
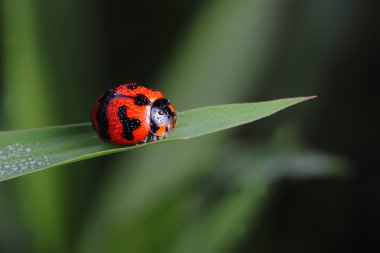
x=130 y=113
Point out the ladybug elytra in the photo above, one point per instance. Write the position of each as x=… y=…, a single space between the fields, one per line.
x=130 y=113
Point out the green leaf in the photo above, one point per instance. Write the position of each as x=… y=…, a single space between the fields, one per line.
x=27 y=151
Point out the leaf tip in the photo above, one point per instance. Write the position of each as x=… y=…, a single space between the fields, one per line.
x=310 y=97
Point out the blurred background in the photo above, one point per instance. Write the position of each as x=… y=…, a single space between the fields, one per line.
x=304 y=180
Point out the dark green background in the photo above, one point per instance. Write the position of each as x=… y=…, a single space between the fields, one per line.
x=305 y=180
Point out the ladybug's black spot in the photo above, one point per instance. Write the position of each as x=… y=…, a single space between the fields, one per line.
x=141 y=100
x=163 y=104
x=101 y=114
x=132 y=86
x=153 y=127
x=129 y=124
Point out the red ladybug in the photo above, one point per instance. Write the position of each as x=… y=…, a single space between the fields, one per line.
x=130 y=113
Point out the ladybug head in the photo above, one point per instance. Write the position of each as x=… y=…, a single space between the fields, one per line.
x=162 y=117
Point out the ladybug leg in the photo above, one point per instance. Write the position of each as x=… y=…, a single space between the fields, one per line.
x=161 y=137
x=158 y=137
x=143 y=141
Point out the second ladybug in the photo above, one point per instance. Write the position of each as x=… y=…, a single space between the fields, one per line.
x=130 y=113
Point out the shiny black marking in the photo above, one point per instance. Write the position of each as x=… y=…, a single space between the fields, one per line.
x=163 y=104
x=101 y=114
x=141 y=100
x=132 y=86
x=153 y=127
x=129 y=124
